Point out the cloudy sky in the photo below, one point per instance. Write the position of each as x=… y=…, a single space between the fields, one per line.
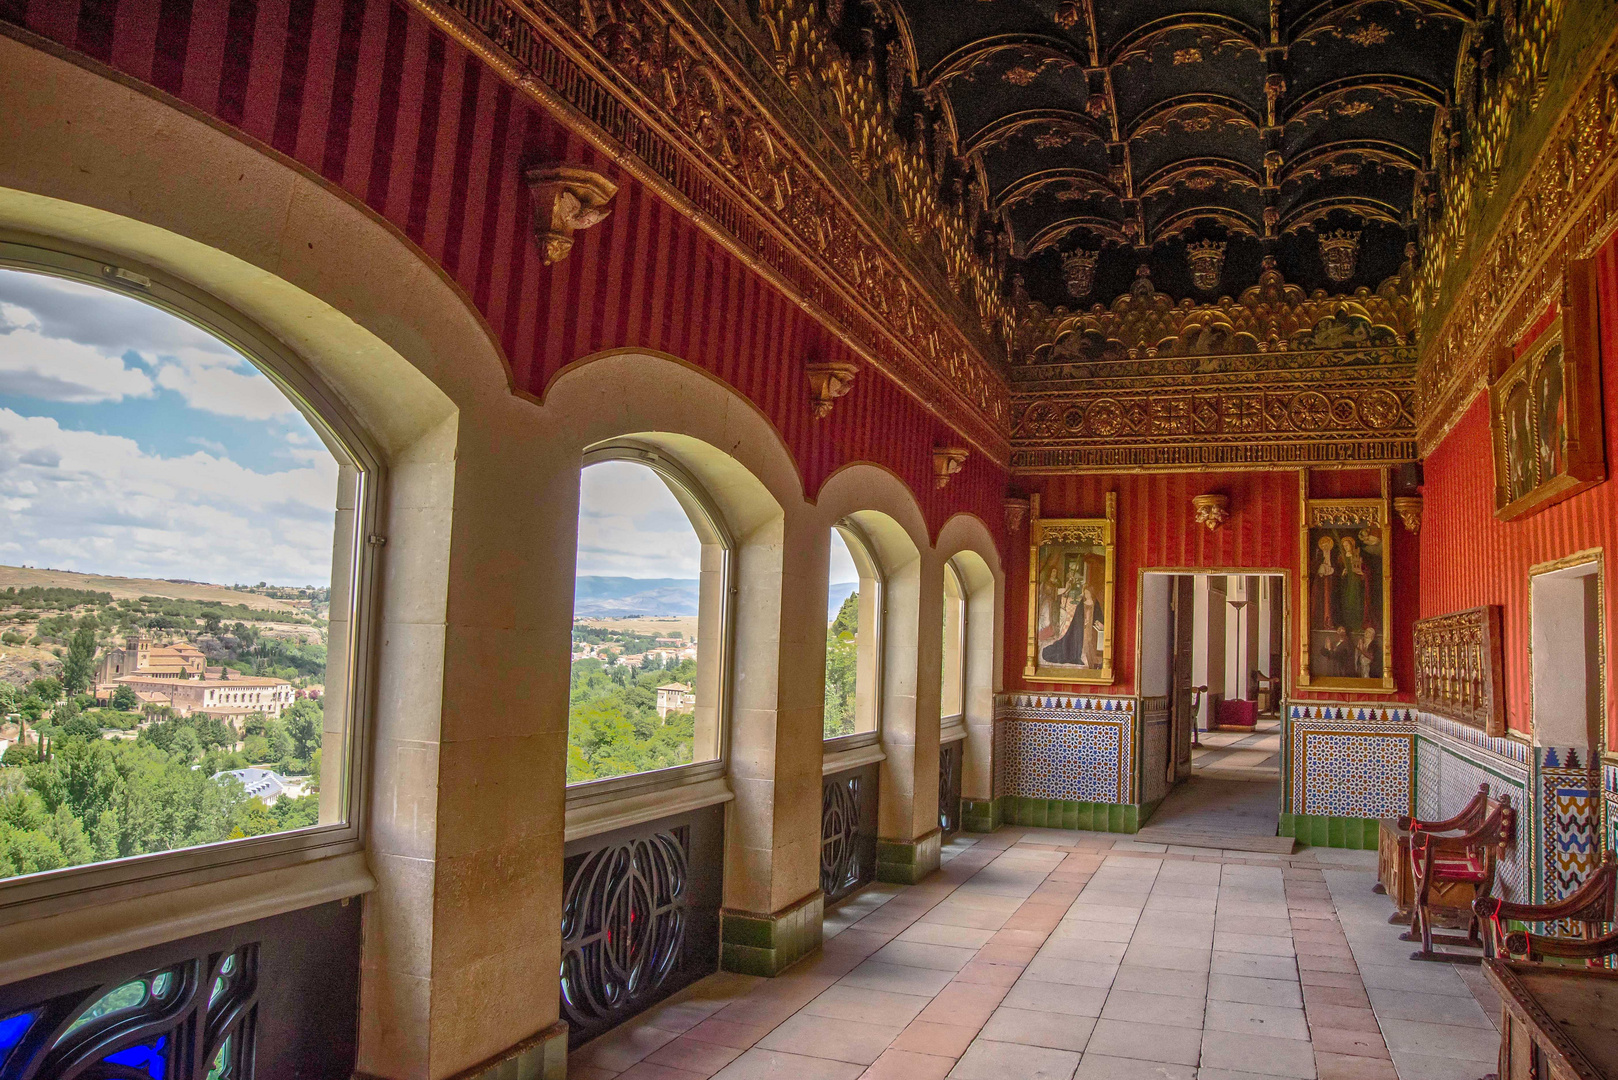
x=631 y=526
x=133 y=443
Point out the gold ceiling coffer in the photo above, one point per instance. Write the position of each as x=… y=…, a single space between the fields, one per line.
x=1213 y=510
x=828 y=382
x=566 y=199
x=1016 y=512
x=947 y=461
x=1408 y=507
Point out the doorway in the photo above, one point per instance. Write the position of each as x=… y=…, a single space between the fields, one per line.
x=1213 y=657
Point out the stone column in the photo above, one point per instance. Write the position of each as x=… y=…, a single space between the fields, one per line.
x=907 y=835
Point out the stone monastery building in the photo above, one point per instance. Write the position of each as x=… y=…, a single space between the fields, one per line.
x=179 y=677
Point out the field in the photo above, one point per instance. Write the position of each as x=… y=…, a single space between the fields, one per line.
x=650 y=625
x=123 y=588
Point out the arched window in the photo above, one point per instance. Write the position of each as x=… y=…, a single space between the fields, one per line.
x=182 y=582
x=952 y=693
x=649 y=620
x=853 y=635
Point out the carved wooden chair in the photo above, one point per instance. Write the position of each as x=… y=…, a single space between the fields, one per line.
x=1449 y=872
x=1591 y=905
x=1393 y=849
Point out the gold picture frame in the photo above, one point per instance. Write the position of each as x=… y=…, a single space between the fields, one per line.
x=1346 y=599
x=1545 y=412
x=1071 y=614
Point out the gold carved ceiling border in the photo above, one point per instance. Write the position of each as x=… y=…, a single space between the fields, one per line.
x=1272 y=316
x=1565 y=208
x=671 y=97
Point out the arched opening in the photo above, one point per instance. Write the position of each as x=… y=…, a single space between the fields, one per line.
x=181 y=581
x=854 y=633
x=952 y=682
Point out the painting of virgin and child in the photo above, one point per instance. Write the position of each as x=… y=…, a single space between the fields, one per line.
x=1072 y=607
x=1346 y=617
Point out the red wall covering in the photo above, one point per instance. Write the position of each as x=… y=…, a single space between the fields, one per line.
x=1157 y=530
x=1473 y=558
x=373 y=98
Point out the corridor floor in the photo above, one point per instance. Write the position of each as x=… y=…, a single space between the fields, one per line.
x=1037 y=953
x=1240 y=755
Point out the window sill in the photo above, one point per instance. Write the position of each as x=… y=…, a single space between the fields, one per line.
x=953 y=729
x=853 y=757
x=96 y=931
x=595 y=818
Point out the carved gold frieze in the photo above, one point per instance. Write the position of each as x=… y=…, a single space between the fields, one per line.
x=1459 y=673
x=783 y=147
x=1566 y=206
x=1272 y=316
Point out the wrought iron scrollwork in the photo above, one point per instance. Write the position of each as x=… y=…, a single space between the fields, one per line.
x=949 y=786
x=624 y=922
x=847 y=845
x=194 y=1020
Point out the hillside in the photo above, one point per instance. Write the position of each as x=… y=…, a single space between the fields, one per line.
x=620 y=597
x=123 y=588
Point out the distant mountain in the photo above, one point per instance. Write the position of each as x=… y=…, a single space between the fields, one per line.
x=621 y=597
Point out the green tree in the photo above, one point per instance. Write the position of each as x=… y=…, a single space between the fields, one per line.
x=79 y=665
x=303 y=720
x=842 y=669
x=125 y=698
x=46 y=688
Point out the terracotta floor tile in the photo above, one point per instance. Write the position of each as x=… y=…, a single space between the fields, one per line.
x=1352 y=997
x=1351 y=1043
x=696 y=1056
x=1347 y=1067
x=906 y=1065
x=728 y=1033
x=945 y=1040
x=1343 y=1017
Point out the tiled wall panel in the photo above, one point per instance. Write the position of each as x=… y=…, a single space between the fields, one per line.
x=1350 y=760
x=1060 y=746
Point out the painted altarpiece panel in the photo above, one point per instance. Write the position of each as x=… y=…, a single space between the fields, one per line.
x=1545 y=406
x=1347 y=594
x=1070 y=596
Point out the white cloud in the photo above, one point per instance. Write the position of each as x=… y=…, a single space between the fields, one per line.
x=35 y=365
x=630 y=525
x=76 y=500
x=221 y=382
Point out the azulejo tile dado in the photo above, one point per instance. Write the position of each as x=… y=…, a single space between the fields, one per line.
x=1441 y=727
x=1569 y=817
x=1065 y=746
x=1609 y=799
x=1448 y=774
x=1350 y=760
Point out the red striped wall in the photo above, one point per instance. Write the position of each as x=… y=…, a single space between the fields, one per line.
x=1157 y=530
x=373 y=98
x=1474 y=558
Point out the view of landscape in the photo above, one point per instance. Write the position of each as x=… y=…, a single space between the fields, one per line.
x=143 y=709
x=842 y=640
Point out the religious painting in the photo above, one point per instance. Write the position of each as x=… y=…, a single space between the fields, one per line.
x=1545 y=406
x=1070 y=596
x=1347 y=595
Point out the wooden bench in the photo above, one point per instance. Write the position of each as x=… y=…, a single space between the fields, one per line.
x=1450 y=872
x=1393 y=849
x=1591 y=906
x=1557 y=1023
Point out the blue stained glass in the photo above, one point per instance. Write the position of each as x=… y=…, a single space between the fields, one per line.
x=152 y=1056
x=12 y=1029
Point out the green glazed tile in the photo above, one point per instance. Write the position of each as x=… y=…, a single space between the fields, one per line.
x=746 y=961
x=1336 y=832
x=744 y=930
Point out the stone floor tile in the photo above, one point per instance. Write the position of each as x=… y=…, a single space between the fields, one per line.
x=844 y=1002
x=1168 y=896
x=968 y=1004
x=1254 y=965
x=1146 y=1042
x=1329 y=1040
x=1184 y=937
x=1339 y=979
x=700 y=1057
x=1081 y=911
x=961 y=915
x=919 y=954
x=960 y=937
x=623 y=1046
x=1283 y=993
x=897 y=978
x=1168 y=1009
x=727 y=1033
x=1254 y=924
x=1352 y=997
x=761 y=1064
x=1412 y=1036
x=1429 y=1008
x=1033 y=1028
x=589 y=1072
x=1308 y=962
x=1414 y=976
x=647 y=1070
x=1268 y=1020
x=985 y=971
x=908 y=1065
x=1071 y=972
x=1073 y=945
x=1433 y=1067
x=1349 y=1067
x=1263 y=945
x=1167 y=956
x=1100 y=1067
x=1096 y=931
x=1346 y=1018
x=1258 y=1053
x=943 y=1040
x=1150 y=980
x=828 y=1037
x=987 y=1060
x=1057 y=998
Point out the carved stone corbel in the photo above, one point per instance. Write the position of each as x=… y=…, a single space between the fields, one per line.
x=1408 y=507
x=947 y=461
x=828 y=382
x=566 y=199
x=1016 y=511
x=1212 y=510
